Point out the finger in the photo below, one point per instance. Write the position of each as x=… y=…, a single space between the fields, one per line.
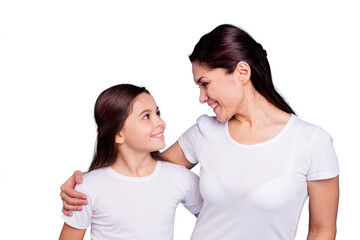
x=78 y=176
x=69 y=207
x=67 y=212
x=72 y=201
x=71 y=193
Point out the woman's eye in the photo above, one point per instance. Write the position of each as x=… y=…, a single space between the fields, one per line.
x=204 y=84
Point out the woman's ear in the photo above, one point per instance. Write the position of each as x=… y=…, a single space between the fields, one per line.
x=119 y=137
x=244 y=71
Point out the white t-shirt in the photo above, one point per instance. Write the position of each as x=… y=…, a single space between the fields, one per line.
x=122 y=207
x=256 y=191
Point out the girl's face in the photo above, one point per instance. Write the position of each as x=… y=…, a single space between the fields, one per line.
x=143 y=130
x=223 y=92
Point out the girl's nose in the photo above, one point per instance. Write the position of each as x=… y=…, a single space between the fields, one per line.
x=161 y=123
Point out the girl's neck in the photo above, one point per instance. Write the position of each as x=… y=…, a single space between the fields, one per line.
x=134 y=165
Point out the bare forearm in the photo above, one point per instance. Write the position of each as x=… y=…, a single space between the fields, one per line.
x=325 y=234
x=70 y=233
x=323 y=206
x=174 y=154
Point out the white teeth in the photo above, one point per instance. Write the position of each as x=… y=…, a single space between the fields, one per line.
x=214 y=105
x=158 y=135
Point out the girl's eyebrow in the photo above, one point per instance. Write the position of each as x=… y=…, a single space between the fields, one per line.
x=149 y=110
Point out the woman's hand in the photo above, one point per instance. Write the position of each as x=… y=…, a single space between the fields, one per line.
x=72 y=200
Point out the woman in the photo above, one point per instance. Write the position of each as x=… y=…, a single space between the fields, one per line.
x=259 y=161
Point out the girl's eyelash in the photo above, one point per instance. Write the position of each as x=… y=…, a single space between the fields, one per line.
x=147 y=116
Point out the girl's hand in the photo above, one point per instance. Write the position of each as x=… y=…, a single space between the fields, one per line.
x=72 y=200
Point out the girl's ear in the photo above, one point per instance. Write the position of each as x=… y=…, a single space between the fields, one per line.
x=244 y=71
x=119 y=138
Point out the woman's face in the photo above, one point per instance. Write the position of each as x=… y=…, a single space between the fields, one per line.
x=220 y=90
x=143 y=130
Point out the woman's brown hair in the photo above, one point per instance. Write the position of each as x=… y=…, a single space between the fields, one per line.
x=227 y=45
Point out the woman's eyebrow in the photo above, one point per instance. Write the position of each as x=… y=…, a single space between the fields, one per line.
x=199 y=80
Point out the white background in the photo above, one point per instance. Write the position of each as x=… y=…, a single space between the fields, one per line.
x=57 y=56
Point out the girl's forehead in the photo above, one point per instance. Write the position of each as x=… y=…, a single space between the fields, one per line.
x=143 y=101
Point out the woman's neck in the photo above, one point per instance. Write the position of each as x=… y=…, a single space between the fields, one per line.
x=256 y=110
x=134 y=165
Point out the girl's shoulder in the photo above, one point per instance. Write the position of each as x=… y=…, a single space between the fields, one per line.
x=92 y=178
x=174 y=170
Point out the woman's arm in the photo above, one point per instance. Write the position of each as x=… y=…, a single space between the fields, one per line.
x=70 y=233
x=323 y=206
x=175 y=154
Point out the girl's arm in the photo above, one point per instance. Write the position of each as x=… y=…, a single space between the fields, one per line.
x=70 y=233
x=323 y=206
x=73 y=200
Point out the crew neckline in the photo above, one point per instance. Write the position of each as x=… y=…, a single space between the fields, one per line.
x=262 y=144
x=136 y=179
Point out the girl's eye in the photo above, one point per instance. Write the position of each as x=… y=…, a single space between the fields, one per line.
x=158 y=113
x=147 y=116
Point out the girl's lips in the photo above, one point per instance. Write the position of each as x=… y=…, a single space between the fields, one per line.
x=158 y=135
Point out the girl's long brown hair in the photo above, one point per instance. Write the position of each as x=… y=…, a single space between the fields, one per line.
x=112 y=107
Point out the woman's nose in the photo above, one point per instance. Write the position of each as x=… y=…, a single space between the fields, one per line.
x=203 y=96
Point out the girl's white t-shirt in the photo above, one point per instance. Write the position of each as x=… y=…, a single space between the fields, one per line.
x=122 y=207
x=256 y=191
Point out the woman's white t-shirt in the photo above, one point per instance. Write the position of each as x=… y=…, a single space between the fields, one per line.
x=124 y=208
x=256 y=191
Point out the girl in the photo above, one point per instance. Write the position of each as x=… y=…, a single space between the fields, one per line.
x=131 y=195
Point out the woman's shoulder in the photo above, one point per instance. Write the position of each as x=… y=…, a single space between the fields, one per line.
x=206 y=118
x=205 y=121
x=308 y=128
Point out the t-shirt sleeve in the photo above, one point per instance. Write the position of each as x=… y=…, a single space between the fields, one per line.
x=187 y=141
x=323 y=159
x=80 y=219
x=192 y=198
